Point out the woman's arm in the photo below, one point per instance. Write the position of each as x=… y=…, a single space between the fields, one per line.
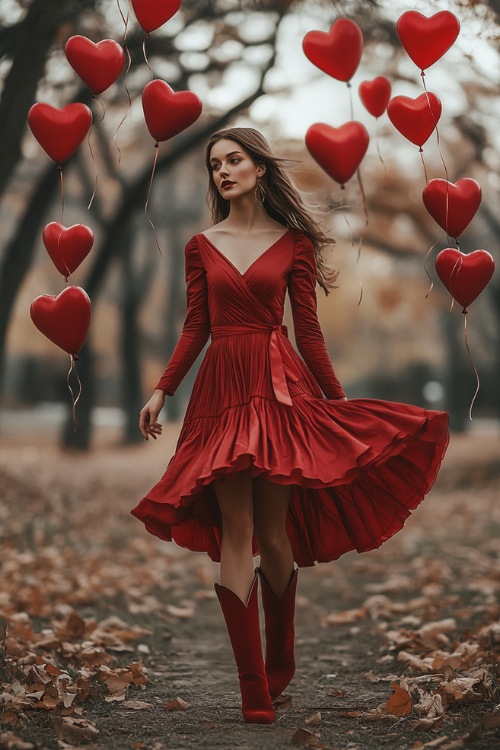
x=194 y=335
x=196 y=328
x=308 y=334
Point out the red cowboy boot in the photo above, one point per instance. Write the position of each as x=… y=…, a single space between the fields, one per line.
x=244 y=633
x=280 y=634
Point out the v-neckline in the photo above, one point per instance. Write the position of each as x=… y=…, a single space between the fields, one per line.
x=253 y=262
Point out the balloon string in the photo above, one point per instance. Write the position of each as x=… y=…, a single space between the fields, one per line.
x=344 y=206
x=61 y=178
x=464 y=311
x=349 y=87
x=378 y=149
x=436 y=128
x=423 y=162
x=157 y=147
x=73 y=359
x=95 y=172
x=129 y=64
x=362 y=235
x=146 y=37
x=124 y=19
x=425 y=268
x=96 y=99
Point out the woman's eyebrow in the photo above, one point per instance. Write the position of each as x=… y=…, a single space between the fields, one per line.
x=231 y=153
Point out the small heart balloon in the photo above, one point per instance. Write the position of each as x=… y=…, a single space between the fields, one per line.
x=59 y=131
x=375 y=95
x=167 y=112
x=464 y=276
x=64 y=319
x=427 y=39
x=415 y=118
x=337 y=52
x=151 y=14
x=67 y=246
x=98 y=65
x=452 y=205
x=339 y=151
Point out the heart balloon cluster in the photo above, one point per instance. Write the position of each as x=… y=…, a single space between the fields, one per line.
x=65 y=319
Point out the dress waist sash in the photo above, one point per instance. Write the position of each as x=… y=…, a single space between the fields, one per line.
x=278 y=376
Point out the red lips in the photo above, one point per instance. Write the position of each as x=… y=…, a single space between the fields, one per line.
x=227 y=183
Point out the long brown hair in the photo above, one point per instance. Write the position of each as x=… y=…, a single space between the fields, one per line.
x=282 y=200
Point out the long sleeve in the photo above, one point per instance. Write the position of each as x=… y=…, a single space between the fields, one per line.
x=308 y=334
x=196 y=328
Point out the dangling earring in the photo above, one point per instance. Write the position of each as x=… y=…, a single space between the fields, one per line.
x=260 y=193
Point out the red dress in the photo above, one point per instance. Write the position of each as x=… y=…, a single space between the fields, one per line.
x=357 y=468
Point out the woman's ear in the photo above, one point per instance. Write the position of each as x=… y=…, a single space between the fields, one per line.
x=261 y=170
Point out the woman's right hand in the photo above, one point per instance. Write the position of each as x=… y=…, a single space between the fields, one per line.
x=149 y=414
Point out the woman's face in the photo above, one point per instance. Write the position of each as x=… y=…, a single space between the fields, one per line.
x=233 y=170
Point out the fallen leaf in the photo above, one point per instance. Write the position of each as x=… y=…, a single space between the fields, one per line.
x=178 y=704
x=400 y=702
x=314 y=718
x=424 y=725
x=9 y=741
x=304 y=737
x=344 y=618
x=137 y=705
x=74 y=731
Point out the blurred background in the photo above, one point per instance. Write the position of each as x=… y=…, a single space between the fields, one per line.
x=403 y=341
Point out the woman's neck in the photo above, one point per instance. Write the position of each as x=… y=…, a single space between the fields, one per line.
x=246 y=215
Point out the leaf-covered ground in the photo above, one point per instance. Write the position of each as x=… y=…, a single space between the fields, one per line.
x=113 y=640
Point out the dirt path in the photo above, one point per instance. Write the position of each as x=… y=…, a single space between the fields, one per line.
x=84 y=588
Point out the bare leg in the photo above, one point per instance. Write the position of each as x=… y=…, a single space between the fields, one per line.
x=270 y=508
x=234 y=495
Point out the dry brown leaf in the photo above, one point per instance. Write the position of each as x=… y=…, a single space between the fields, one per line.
x=400 y=703
x=314 y=719
x=346 y=617
x=425 y=725
x=9 y=741
x=74 y=731
x=137 y=705
x=371 y=676
x=178 y=704
x=181 y=612
x=304 y=737
x=337 y=693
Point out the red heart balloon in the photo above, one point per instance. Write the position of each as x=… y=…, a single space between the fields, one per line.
x=337 y=52
x=167 y=112
x=64 y=319
x=464 y=276
x=452 y=205
x=339 y=151
x=67 y=246
x=375 y=95
x=98 y=65
x=151 y=14
x=427 y=39
x=59 y=131
x=415 y=118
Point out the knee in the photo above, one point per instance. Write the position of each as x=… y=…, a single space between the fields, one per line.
x=272 y=542
x=237 y=527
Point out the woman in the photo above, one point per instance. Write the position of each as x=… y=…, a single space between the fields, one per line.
x=264 y=462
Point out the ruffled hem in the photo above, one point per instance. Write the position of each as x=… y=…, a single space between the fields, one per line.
x=358 y=468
